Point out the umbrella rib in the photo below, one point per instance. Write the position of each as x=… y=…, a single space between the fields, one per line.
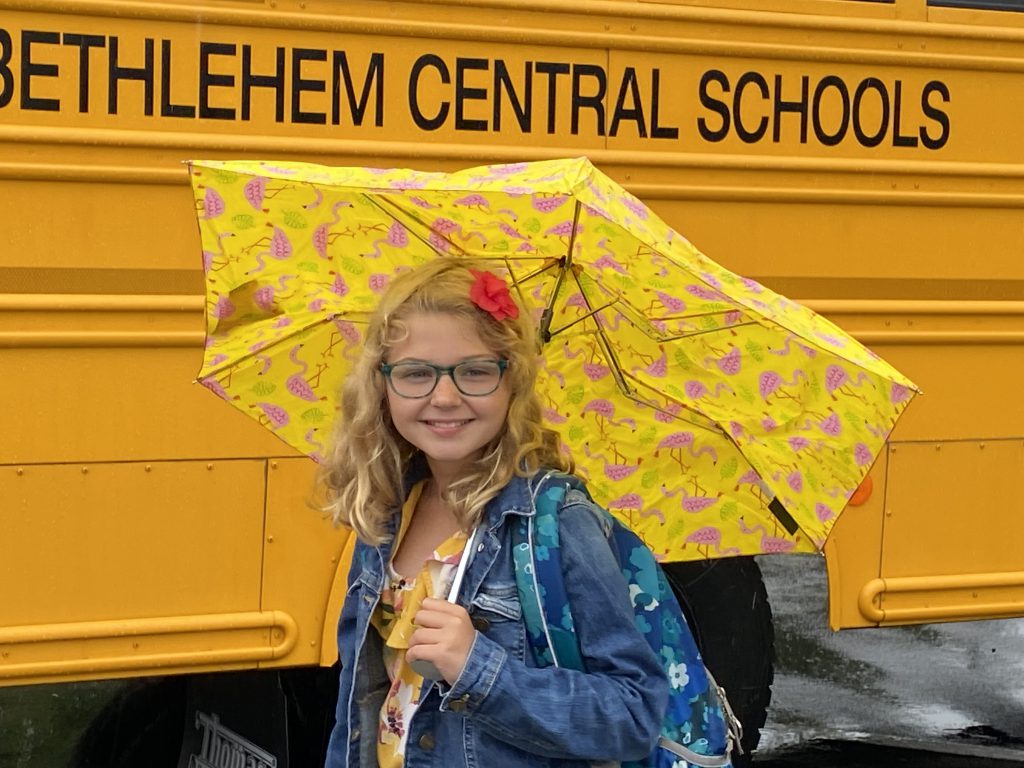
x=702 y=333
x=584 y=317
x=390 y=209
x=605 y=343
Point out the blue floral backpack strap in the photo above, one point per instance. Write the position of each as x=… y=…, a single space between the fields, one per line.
x=538 y=561
x=698 y=728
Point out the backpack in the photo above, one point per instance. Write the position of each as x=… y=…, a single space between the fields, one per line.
x=698 y=728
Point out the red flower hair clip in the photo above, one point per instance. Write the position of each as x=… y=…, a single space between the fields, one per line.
x=490 y=293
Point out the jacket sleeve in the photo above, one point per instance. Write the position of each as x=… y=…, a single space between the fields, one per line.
x=614 y=710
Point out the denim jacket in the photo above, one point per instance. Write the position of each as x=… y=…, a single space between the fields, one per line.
x=503 y=711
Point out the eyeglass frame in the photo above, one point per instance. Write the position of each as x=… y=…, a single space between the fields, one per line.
x=439 y=371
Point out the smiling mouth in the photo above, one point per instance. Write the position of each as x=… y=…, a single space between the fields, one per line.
x=447 y=424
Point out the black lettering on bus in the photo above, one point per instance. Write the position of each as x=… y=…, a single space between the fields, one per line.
x=898 y=139
x=552 y=69
x=635 y=112
x=464 y=93
x=30 y=69
x=6 y=76
x=659 y=131
x=830 y=81
x=749 y=78
x=167 y=109
x=84 y=43
x=595 y=101
x=870 y=83
x=421 y=120
x=250 y=80
x=301 y=84
x=799 y=107
x=503 y=84
x=936 y=114
x=374 y=73
x=208 y=80
x=116 y=73
x=715 y=105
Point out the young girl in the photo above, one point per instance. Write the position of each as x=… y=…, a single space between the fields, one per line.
x=440 y=441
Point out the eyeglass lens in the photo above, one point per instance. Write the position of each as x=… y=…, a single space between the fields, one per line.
x=473 y=377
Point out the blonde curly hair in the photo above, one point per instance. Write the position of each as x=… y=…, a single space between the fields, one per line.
x=367 y=461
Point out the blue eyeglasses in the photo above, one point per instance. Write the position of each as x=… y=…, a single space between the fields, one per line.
x=474 y=378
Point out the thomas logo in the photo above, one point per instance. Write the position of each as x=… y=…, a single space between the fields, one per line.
x=223 y=748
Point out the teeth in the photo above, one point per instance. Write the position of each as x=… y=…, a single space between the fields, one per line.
x=447 y=424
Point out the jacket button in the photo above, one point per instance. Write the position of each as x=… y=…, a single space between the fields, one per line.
x=354 y=736
x=426 y=741
x=459 y=705
x=480 y=623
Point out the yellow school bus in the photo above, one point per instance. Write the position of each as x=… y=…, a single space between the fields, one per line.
x=167 y=594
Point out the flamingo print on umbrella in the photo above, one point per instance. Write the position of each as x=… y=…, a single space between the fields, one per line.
x=217 y=388
x=697 y=390
x=838 y=380
x=628 y=503
x=213 y=204
x=323 y=237
x=770 y=384
x=697 y=502
x=317 y=452
x=705 y=538
x=653 y=366
x=564 y=231
x=397 y=237
x=279 y=247
x=347 y=332
x=256 y=191
x=272 y=415
x=445 y=228
x=613 y=471
x=592 y=369
x=673 y=304
x=474 y=201
x=297 y=383
x=266 y=296
x=607 y=259
x=728 y=363
x=769 y=544
x=677 y=441
x=604 y=412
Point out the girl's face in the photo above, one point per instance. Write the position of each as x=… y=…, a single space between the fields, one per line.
x=449 y=427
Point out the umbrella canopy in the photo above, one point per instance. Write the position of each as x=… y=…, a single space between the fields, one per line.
x=712 y=415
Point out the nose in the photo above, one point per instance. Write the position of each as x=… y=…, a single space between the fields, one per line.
x=445 y=392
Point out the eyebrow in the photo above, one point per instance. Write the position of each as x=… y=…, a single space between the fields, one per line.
x=470 y=359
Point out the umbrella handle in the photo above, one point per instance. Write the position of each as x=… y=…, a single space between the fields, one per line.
x=427 y=669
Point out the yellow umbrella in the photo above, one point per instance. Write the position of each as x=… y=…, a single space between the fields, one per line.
x=714 y=416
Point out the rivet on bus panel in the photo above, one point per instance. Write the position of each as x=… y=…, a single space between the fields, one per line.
x=20 y=471
x=273 y=465
x=85 y=470
x=209 y=466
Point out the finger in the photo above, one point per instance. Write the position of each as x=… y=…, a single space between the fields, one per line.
x=433 y=619
x=442 y=606
x=423 y=637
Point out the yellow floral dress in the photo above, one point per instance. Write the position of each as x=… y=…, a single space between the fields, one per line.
x=393 y=619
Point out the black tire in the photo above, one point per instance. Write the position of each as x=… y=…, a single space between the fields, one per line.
x=727 y=606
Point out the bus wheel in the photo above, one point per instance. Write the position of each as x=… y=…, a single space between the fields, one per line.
x=727 y=606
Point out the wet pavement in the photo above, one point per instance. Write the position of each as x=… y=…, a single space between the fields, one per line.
x=936 y=695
